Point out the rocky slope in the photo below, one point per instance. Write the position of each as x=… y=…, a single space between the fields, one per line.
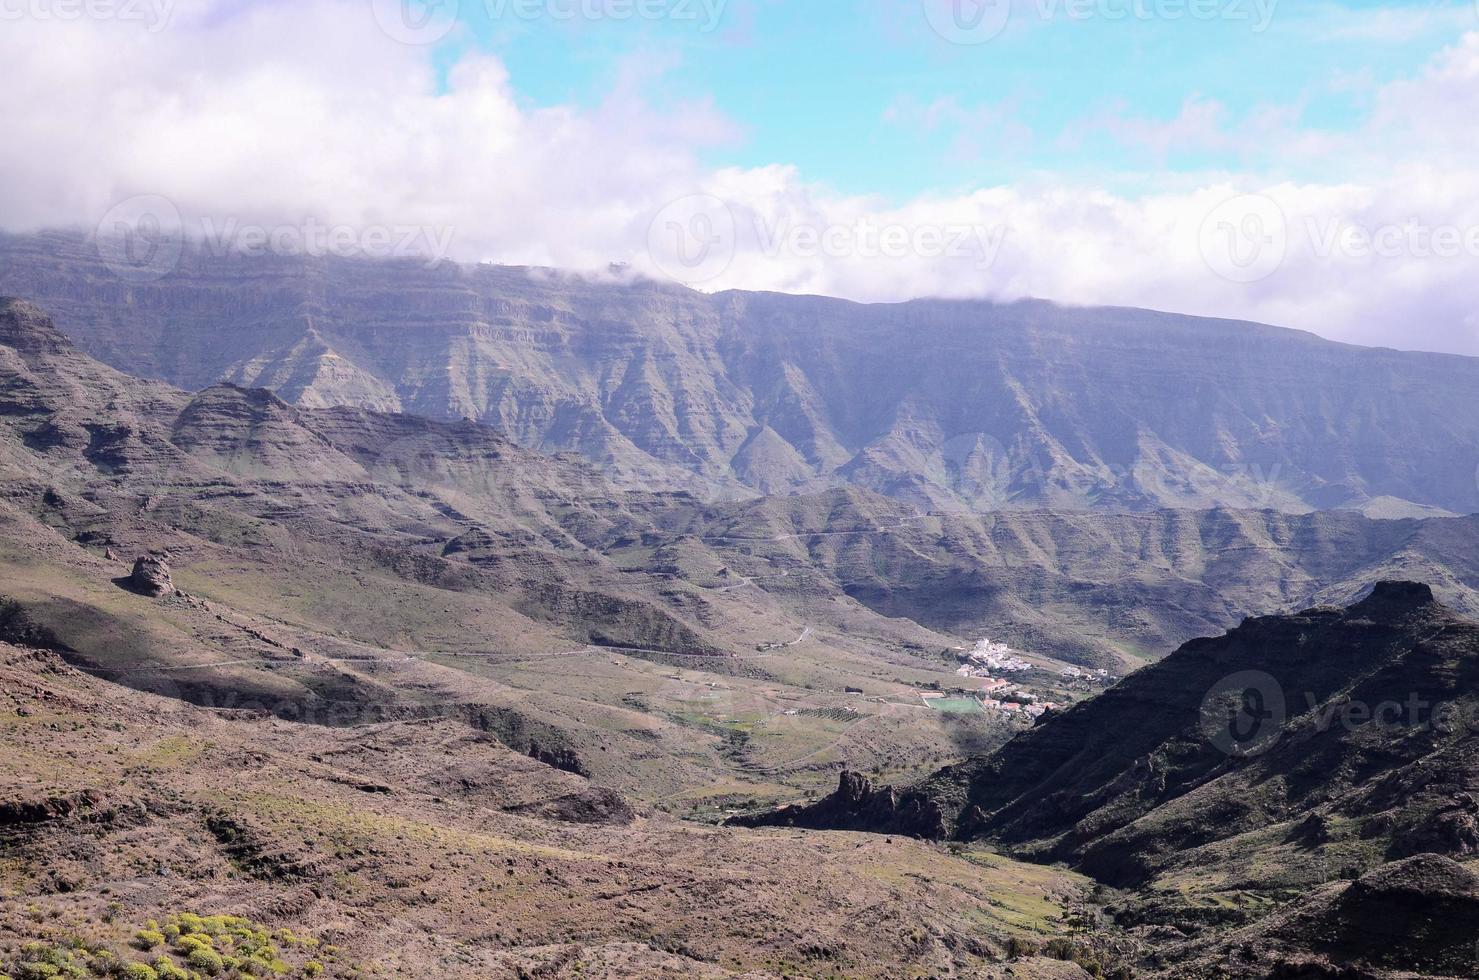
x=1232 y=783
x=349 y=566
x=949 y=405
x=1085 y=587
x=438 y=500
x=137 y=830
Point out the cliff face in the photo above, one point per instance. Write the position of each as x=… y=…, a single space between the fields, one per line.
x=1087 y=587
x=859 y=805
x=1090 y=587
x=943 y=404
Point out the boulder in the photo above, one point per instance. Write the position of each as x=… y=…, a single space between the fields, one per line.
x=151 y=577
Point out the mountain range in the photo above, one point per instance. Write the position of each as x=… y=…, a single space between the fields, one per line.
x=952 y=406
x=559 y=541
x=409 y=626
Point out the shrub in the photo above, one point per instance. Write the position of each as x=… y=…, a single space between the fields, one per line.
x=138 y=971
x=41 y=953
x=1019 y=948
x=313 y=968
x=147 y=939
x=165 y=969
x=206 y=960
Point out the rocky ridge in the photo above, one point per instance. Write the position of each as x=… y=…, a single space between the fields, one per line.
x=945 y=405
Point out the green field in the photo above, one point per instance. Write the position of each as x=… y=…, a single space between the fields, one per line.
x=956 y=706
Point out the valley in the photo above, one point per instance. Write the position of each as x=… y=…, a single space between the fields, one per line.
x=375 y=678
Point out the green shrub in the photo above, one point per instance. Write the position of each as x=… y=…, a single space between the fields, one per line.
x=42 y=953
x=138 y=971
x=165 y=969
x=1019 y=948
x=147 y=939
x=103 y=960
x=190 y=942
x=313 y=968
x=206 y=960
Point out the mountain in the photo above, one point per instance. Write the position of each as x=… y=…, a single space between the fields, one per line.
x=351 y=567
x=946 y=405
x=1091 y=588
x=1299 y=791
x=405 y=699
x=396 y=652
x=559 y=541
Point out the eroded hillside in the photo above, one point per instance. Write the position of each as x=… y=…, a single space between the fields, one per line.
x=945 y=405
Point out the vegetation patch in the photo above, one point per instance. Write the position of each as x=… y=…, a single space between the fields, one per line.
x=183 y=946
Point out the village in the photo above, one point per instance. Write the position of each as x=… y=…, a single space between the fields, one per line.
x=991 y=662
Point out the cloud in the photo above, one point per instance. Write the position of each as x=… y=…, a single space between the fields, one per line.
x=1384 y=25
x=280 y=113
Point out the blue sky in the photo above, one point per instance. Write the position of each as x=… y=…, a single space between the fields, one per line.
x=843 y=89
x=1298 y=174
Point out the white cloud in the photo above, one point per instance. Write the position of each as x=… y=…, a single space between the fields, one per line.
x=274 y=112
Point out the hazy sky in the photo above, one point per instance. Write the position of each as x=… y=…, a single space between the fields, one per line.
x=1303 y=163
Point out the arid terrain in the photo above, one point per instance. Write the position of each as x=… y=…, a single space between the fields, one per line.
x=428 y=849
x=327 y=687
x=956 y=406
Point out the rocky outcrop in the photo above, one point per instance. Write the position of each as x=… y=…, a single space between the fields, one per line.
x=1452 y=831
x=858 y=805
x=151 y=577
x=558 y=757
x=1420 y=915
x=30 y=810
x=257 y=851
x=596 y=805
x=620 y=622
x=28 y=330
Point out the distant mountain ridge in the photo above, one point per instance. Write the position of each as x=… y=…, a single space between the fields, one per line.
x=945 y=405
